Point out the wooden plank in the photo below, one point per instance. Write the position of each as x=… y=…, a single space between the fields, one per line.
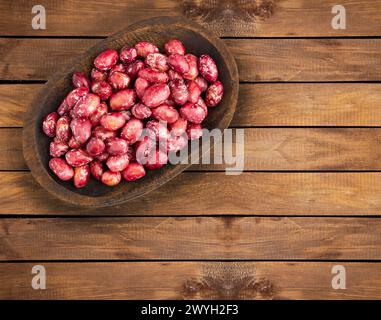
x=285 y=104
x=13 y=102
x=264 y=149
x=307 y=60
x=11 y=156
x=190 y=238
x=309 y=104
x=264 y=18
x=191 y=280
x=217 y=194
x=257 y=59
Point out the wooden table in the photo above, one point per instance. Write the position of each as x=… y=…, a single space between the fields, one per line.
x=310 y=196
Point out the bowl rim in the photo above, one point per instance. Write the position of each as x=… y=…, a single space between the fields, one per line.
x=30 y=152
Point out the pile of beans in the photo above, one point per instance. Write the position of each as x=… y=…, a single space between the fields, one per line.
x=97 y=129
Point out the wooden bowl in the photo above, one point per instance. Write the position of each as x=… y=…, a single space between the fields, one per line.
x=196 y=39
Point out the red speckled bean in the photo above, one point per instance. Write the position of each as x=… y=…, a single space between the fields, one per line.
x=194 y=113
x=63 y=132
x=77 y=157
x=178 y=63
x=122 y=100
x=81 y=176
x=58 y=148
x=179 y=127
x=140 y=111
x=193 y=68
x=81 y=129
x=172 y=74
x=144 y=48
x=134 y=171
x=202 y=83
x=155 y=95
x=49 y=124
x=63 y=108
x=74 y=144
x=80 y=80
x=153 y=76
x=113 y=121
x=157 y=130
x=102 y=89
x=194 y=91
x=116 y=146
x=74 y=95
x=117 y=163
x=96 y=169
x=132 y=131
x=165 y=113
x=101 y=110
x=98 y=75
x=86 y=106
x=133 y=68
x=102 y=157
x=111 y=178
x=103 y=133
x=106 y=59
x=119 y=67
x=128 y=54
x=140 y=87
x=214 y=94
x=157 y=61
x=95 y=146
x=208 y=68
x=179 y=91
x=174 y=46
x=119 y=80
x=61 y=169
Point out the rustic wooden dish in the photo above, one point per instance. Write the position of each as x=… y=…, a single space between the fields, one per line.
x=158 y=30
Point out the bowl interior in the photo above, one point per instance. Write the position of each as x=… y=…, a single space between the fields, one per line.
x=159 y=31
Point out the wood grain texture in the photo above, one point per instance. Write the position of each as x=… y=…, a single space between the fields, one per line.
x=232 y=238
x=275 y=104
x=191 y=280
x=264 y=149
x=307 y=60
x=217 y=194
x=260 y=18
x=257 y=59
x=308 y=104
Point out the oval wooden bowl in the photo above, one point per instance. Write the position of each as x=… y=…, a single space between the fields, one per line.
x=197 y=40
